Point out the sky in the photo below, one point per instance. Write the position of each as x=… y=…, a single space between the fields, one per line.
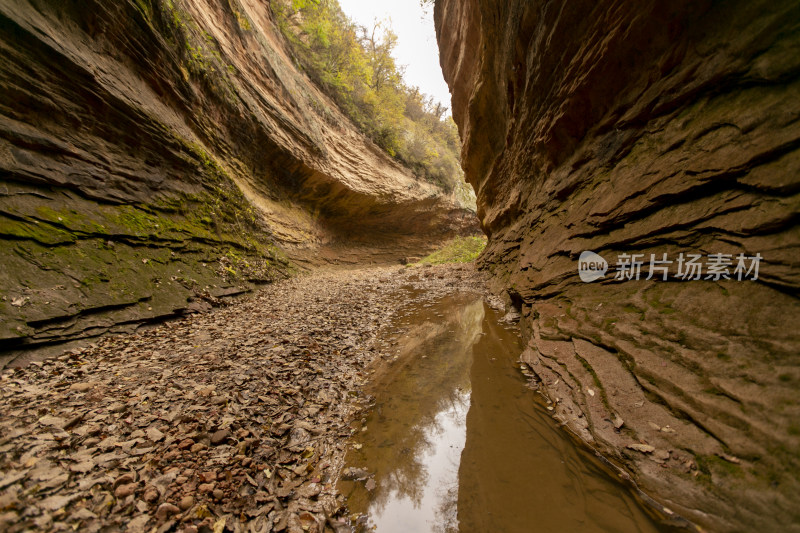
x=416 y=40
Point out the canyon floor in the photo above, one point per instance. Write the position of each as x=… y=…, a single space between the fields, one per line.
x=235 y=417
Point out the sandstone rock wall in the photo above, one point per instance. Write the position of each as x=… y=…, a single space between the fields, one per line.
x=647 y=127
x=157 y=150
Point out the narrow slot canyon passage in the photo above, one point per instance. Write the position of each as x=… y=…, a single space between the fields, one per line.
x=440 y=266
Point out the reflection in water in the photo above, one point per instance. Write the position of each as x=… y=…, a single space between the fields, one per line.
x=417 y=428
x=457 y=443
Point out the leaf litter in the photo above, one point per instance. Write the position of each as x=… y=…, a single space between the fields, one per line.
x=232 y=420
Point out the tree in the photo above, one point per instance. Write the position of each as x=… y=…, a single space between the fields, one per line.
x=355 y=67
x=378 y=43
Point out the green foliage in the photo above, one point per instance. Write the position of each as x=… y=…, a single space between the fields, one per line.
x=244 y=22
x=145 y=7
x=458 y=250
x=354 y=66
x=199 y=51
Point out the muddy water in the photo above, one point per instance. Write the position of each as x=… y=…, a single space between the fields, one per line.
x=456 y=441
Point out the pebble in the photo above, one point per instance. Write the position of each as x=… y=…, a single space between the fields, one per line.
x=124 y=480
x=169 y=456
x=123 y=491
x=150 y=494
x=165 y=510
x=661 y=455
x=220 y=436
x=186 y=503
x=185 y=443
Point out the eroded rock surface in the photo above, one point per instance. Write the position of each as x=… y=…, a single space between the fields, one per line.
x=647 y=127
x=157 y=151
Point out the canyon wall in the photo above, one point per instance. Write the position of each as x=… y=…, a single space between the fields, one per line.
x=156 y=155
x=648 y=127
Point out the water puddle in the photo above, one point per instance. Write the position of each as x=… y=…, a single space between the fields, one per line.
x=457 y=443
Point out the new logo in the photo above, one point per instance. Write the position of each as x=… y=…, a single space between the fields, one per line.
x=591 y=266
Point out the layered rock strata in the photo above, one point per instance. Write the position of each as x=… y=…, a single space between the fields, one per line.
x=154 y=151
x=648 y=128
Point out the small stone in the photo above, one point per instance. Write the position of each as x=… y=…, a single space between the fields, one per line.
x=81 y=387
x=208 y=477
x=165 y=510
x=123 y=491
x=205 y=487
x=150 y=494
x=220 y=436
x=169 y=456
x=124 y=479
x=661 y=455
x=198 y=447
x=218 y=494
x=185 y=443
x=351 y=473
x=186 y=503
x=190 y=529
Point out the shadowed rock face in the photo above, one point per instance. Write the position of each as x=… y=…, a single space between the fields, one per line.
x=156 y=150
x=648 y=128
